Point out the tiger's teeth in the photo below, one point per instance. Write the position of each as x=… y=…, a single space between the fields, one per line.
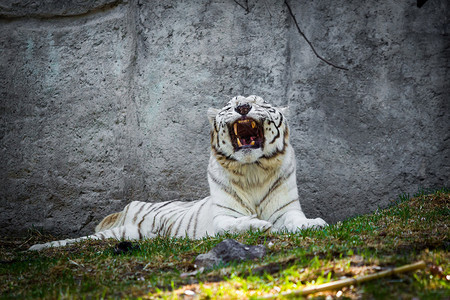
x=239 y=142
x=252 y=143
x=235 y=129
x=253 y=124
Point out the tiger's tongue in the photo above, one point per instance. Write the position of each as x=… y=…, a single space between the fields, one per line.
x=246 y=141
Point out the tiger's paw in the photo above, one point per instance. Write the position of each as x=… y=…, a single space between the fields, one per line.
x=253 y=223
x=243 y=224
x=316 y=223
x=297 y=225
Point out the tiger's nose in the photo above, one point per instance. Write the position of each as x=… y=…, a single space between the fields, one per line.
x=243 y=109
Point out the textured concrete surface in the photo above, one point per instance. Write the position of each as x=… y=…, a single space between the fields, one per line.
x=105 y=102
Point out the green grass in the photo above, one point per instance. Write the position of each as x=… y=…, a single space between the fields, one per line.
x=411 y=229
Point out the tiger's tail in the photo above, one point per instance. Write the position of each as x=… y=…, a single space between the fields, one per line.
x=109 y=222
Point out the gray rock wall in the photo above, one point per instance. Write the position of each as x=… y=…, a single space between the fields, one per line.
x=104 y=102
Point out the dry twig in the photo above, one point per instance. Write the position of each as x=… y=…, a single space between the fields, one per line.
x=348 y=281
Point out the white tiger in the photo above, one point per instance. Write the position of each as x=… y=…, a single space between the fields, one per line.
x=252 y=180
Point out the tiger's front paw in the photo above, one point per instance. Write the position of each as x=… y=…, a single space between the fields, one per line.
x=243 y=224
x=316 y=223
x=253 y=223
x=294 y=225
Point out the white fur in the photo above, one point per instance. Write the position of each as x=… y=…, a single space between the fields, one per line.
x=250 y=189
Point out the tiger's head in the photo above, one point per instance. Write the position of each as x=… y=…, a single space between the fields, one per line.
x=248 y=130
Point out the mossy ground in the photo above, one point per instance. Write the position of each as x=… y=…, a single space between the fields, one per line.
x=412 y=229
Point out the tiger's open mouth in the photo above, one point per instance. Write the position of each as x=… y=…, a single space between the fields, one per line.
x=246 y=133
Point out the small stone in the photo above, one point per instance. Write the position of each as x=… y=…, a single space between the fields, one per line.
x=229 y=250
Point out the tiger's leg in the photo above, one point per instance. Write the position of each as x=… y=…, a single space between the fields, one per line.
x=125 y=232
x=226 y=223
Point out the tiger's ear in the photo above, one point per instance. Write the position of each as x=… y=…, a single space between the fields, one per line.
x=212 y=113
x=284 y=110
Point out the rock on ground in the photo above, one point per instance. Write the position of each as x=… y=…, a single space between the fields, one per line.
x=227 y=251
